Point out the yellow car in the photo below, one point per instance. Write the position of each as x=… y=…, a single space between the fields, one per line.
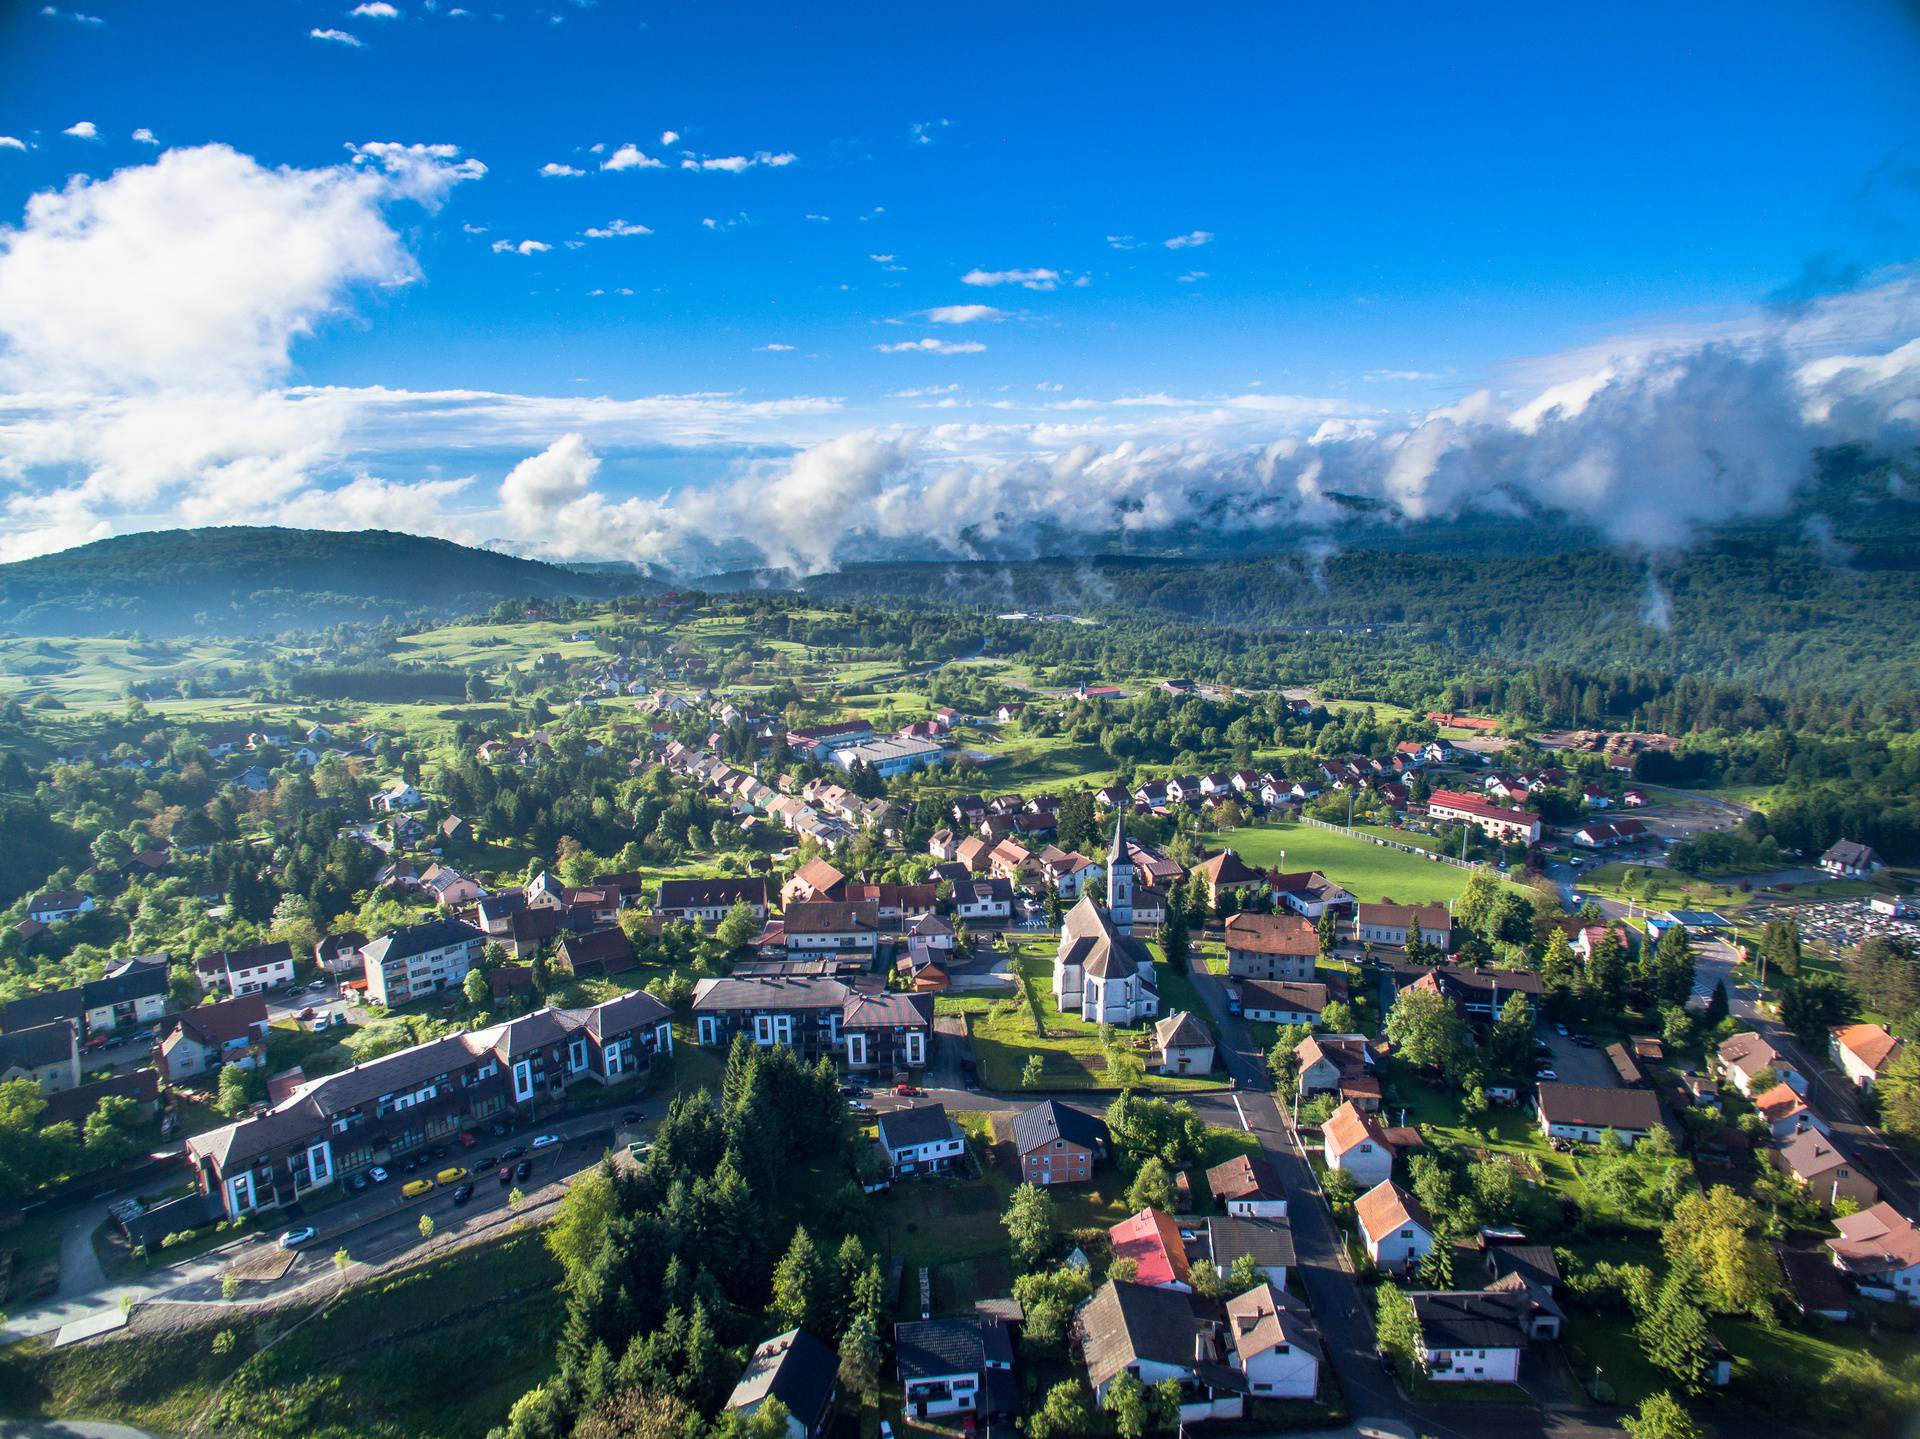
x=451 y=1176
x=414 y=1188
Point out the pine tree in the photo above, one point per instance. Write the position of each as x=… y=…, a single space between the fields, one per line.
x=860 y=1356
x=799 y=1288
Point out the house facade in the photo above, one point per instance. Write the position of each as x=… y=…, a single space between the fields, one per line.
x=421 y=959
x=1582 y=1113
x=1058 y=1144
x=1281 y=947
x=1862 y=1052
x=920 y=1141
x=247 y=971
x=1394 y=1227
x=396 y=1105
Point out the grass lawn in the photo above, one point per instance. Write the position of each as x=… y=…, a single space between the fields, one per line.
x=1371 y=872
x=1003 y=1036
x=438 y=1351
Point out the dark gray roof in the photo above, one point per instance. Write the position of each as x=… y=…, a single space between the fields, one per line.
x=887 y=1010
x=1593 y=1107
x=634 y=1010
x=922 y=1124
x=128 y=980
x=41 y=1009
x=1472 y=1319
x=37 y=1047
x=1039 y=1126
x=770 y=991
x=1269 y=1241
x=420 y=939
x=831 y=916
x=928 y=1348
x=1532 y=1262
x=710 y=893
x=794 y=1368
x=1125 y=1323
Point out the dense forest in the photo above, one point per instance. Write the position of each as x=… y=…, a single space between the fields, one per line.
x=259 y=580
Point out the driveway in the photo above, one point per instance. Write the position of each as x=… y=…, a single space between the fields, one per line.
x=1576 y=1064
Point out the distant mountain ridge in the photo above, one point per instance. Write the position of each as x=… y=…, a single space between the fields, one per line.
x=256 y=580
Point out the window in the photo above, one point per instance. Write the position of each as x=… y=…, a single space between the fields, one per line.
x=709 y=1029
x=577 y=1055
x=523 y=1081
x=763 y=1029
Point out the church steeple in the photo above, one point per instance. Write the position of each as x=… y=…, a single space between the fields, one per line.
x=1120 y=877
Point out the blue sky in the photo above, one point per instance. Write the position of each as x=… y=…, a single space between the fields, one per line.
x=1376 y=213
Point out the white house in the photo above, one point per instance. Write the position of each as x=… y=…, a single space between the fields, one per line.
x=1152 y=1333
x=1582 y=1113
x=247 y=971
x=1248 y=1187
x=1863 y=1052
x=1847 y=859
x=395 y=797
x=957 y=1365
x=1353 y=1141
x=1879 y=1249
x=1472 y=1337
x=1397 y=1232
x=1745 y=1055
x=58 y=905
x=1274 y=1343
x=799 y=1371
x=920 y=1140
x=1281 y=1002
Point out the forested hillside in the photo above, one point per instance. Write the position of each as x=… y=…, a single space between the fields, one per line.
x=259 y=580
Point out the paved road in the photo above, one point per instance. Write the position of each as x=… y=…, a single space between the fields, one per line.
x=374 y=1227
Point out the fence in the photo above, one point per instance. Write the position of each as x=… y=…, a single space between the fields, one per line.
x=1413 y=849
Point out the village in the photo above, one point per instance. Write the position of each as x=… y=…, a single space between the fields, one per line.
x=1169 y=1140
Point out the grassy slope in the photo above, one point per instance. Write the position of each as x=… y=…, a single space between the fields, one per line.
x=1372 y=873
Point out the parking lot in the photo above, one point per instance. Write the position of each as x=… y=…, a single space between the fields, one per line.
x=1577 y=1064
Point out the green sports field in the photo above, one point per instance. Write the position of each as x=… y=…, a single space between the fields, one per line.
x=1372 y=873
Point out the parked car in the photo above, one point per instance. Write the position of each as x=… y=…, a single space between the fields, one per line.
x=377 y=1175
x=513 y=1151
x=317 y=985
x=542 y=1141
x=462 y=1195
x=294 y=1238
x=523 y=1169
x=451 y=1175
x=1547 y=1074
x=467 y=1139
x=357 y=1183
x=847 y=1091
x=99 y=1041
x=859 y=1106
x=910 y=1091
x=308 y=1012
x=416 y=1188
x=506 y=1175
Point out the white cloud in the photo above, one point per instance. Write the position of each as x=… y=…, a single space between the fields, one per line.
x=1376 y=377
x=54 y=13
x=732 y=164
x=82 y=130
x=422 y=173
x=525 y=247
x=963 y=314
x=337 y=37
x=1190 y=241
x=669 y=137
x=923 y=131
x=1026 y=279
x=375 y=10
x=1123 y=242
x=630 y=157
x=554 y=171
x=201 y=267
x=772 y=349
x=1192 y=276
x=820 y=219
x=144 y=136
x=922 y=392
x=931 y=346
x=9 y=142
x=614 y=229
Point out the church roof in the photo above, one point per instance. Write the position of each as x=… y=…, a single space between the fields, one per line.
x=1089 y=941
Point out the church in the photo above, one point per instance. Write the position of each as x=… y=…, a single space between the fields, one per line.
x=1101 y=972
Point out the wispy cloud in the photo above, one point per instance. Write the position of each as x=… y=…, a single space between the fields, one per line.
x=144 y=136
x=1192 y=277
x=55 y=13
x=1123 y=242
x=614 y=229
x=1026 y=279
x=336 y=37
x=773 y=349
x=963 y=314
x=524 y=247
x=931 y=346
x=737 y=164
x=923 y=131
x=1376 y=377
x=1190 y=241
x=12 y=142
x=553 y=170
